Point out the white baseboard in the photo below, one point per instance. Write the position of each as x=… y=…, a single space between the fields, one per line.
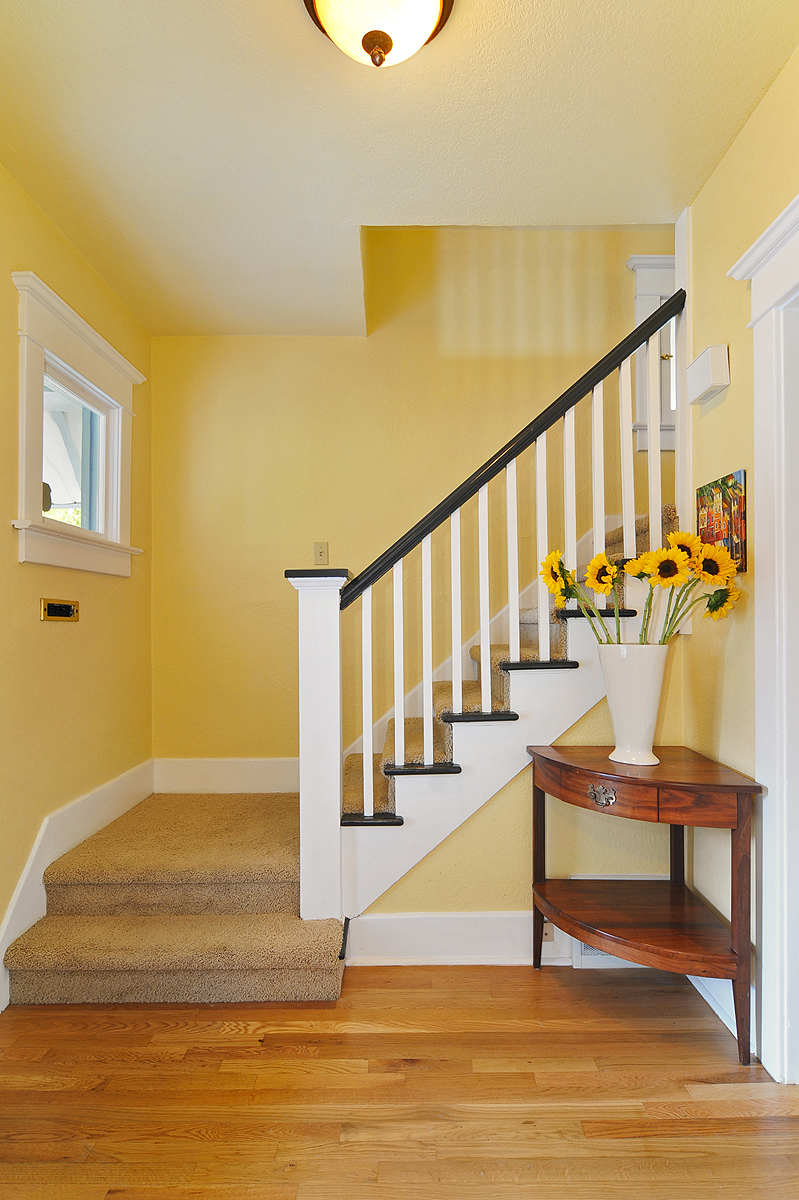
x=226 y=775
x=487 y=938
x=61 y=831
x=718 y=994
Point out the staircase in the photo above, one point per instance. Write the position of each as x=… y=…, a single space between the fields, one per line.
x=182 y=899
x=454 y=740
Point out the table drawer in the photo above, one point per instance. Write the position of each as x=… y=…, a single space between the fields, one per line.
x=717 y=810
x=590 y=790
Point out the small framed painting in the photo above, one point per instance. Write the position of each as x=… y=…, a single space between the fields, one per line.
x=721 y=515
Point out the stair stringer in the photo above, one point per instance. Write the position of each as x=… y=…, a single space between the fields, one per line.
x=490 y=755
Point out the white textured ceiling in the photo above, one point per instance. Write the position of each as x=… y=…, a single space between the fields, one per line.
x=215 y=159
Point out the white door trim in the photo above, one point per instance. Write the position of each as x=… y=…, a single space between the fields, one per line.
x=772 y=265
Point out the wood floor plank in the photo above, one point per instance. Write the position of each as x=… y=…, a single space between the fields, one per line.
x=41 y=1151
x=739 y=1128
x=132 y=1057
x=301 y=1069
x=18 y=1053
x=642 y=1189
x=223 y=1192
x=530 y=1066
x=38 y=1191
x=673 y=1169
x=50 y=1081
x=64 y=1174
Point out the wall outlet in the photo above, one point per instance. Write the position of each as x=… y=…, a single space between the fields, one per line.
x=549 y=931
x=320 y=554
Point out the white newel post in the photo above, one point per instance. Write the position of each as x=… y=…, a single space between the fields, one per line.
x=320 y=739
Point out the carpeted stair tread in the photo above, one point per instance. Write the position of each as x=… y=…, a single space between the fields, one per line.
x=500 y=652
x=242 y=941
x=176 y=959
x=472 y=697
x=529 y=616
x=208 y=839
x=614 y=539
x=414 y=742
x=353 y=785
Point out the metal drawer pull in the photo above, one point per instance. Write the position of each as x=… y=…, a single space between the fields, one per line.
x=600 y=795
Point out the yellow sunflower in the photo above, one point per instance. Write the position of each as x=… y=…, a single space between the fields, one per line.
x=553 y=571
x=642 y=566
x=713 y=564
x=671 y=568
x=600 y=574
x=721 y=601
x=689 y=542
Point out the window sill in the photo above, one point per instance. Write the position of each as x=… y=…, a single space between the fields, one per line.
x=70 y=547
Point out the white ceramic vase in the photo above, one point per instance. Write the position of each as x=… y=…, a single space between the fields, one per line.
x=633 y=681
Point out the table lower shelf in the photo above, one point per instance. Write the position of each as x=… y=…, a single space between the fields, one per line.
x=654 y=923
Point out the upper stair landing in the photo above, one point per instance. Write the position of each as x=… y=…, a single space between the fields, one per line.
x=185 y=854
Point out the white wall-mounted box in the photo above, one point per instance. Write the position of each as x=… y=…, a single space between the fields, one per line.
x=708 y=374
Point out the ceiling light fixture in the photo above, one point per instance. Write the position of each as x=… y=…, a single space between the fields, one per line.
x=380 y=31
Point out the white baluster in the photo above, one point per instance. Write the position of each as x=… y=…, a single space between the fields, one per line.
x=511 y=506
x=673 y=364
x=653 y=441
x=485 y=603
x=627 y=457
x=399 y=668
x=569 y=492
x=455 y=573
x=366 y=708
x=542 y=540
x=427 y=646
x=598 y=465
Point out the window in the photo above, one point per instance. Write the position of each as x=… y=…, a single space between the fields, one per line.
x=654 y=284
x=76 y=418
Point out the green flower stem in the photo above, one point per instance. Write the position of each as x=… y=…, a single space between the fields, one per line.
x=678 y=617
x=590 y=619
x=585 y=603
x=667 y=615
x=682 y=606
x=644 y=634
x=616 y=611
x=601 y=619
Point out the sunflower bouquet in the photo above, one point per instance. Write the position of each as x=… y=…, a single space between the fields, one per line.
x=686 y=568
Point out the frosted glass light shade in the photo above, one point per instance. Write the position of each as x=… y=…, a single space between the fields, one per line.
x=409 y=23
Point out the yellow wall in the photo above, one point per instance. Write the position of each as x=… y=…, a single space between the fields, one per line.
x=263 y=445
x=751 y=186
x=75 y=703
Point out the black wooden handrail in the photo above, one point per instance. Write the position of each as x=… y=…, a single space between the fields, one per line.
x=544 y=421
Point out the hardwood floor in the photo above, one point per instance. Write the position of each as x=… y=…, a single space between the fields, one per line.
x=483 y=1083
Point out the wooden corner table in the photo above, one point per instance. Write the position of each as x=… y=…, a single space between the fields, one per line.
x=654 y=923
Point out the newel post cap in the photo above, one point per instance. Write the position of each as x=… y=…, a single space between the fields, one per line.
x=318 y=578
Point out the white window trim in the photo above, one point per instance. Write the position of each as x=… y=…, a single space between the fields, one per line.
x=50 y=331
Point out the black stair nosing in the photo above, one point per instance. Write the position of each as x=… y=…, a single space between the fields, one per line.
x=378 y=819
x=443 y=768
x=535 y=664
x=342 y=954
x=567 y=613
x=474 y=717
